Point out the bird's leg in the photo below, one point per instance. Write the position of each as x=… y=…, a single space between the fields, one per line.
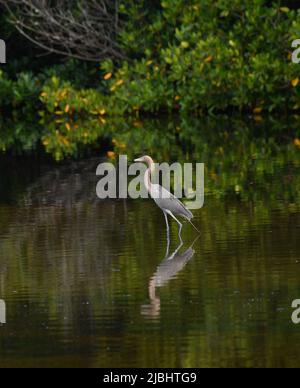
x=168 y=246
x=167 y=221
x=168 y=234
x=180 y=226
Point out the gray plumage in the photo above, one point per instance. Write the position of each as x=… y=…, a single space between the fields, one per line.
x=172 y=204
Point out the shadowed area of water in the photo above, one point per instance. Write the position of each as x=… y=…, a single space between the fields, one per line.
x=90 y=283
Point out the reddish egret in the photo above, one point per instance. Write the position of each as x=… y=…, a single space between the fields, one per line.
x=167 y=202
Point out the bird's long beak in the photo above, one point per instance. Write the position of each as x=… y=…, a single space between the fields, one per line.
x=138 y=160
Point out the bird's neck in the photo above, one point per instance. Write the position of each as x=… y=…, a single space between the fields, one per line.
x=147 y=180
x=147 y=177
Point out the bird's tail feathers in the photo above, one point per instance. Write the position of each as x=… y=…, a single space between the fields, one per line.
x=188 y=214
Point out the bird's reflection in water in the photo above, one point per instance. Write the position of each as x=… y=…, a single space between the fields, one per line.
x=2 y=312
x=167 y=270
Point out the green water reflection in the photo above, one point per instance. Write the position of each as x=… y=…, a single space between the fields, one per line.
x=88 y=282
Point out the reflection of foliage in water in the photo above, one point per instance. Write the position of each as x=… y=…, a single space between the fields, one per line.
x=240 y=155
x=84 y=271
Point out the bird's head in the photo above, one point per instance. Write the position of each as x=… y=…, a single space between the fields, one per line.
x=145 y=159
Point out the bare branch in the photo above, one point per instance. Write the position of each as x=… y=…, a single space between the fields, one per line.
x=79 y=29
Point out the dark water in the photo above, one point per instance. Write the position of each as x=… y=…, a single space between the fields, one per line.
x=89 y=283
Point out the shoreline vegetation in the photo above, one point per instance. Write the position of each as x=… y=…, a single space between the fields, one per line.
x=187 y=66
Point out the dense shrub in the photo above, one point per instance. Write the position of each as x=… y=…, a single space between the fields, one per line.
x=210 y=55
x=195 y=56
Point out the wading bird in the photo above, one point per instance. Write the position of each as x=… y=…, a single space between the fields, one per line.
x=167 y=202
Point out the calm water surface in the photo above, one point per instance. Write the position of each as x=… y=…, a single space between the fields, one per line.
x=89 y=283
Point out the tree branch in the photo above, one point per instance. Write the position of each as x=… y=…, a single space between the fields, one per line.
x=79 y=29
